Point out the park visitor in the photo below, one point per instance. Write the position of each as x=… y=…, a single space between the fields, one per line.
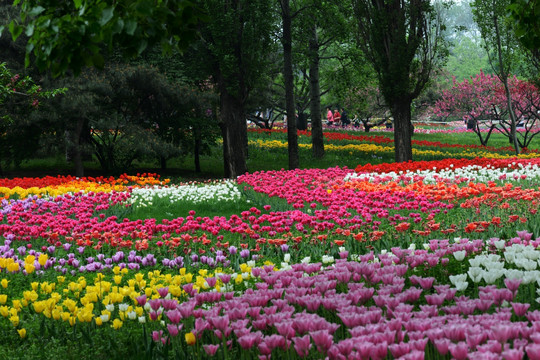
x=337 y=117
x=329 y=116
x=344 y=118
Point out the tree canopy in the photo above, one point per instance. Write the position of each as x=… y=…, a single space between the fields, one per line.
x=68 y=35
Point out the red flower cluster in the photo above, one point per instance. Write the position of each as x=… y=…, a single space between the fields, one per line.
x=124 y=179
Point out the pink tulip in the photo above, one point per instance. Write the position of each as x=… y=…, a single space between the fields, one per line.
x=520 y=309
x=210 y=349
x=323 y=340
x=459 y=351
x=302 y=345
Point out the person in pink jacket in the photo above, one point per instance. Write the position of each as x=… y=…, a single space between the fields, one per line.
x=329 y=116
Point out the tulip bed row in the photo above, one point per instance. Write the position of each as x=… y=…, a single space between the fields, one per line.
x=382 y=144
x=417 y=260
x=372 y=149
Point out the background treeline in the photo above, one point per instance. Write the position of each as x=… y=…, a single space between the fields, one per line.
x=162 y=106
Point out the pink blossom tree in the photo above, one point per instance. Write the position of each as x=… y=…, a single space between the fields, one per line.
x=481 y=102
x=526 y=103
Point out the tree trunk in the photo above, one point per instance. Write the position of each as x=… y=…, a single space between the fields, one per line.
x=503 y=76
x=401 y=111
x=234 y=131
x=513 y=120
x=75 y=145
x=317 y=137
x=163 y=163
x=197 y=149
x=292 y=135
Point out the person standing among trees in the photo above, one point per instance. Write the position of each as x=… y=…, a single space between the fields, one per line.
x=344 y=118
x=337 y=117
x=329 y=116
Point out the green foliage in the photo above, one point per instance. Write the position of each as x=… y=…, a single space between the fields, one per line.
x=23 y=89
x=20 y=128
x=126 y=113
x=525 y=14
x=68 y=35
x=178 y=115
x=237 y=61
x=467 y=58
x=500 y=41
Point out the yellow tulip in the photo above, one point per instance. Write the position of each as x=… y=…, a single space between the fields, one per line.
x=3 y=299
x=29 y=268
x=30 y=259
x=85 y=315
x=55 y=297
x=13 y=267
x=56 y=313
x=203 y=272
x=30 y=295
x=4 y=283
x=190 y=338
x=65 y=316
x=175 y=290
x=99 y=322
x=47 y=288
x=22 y=333
x=39 y=306
x=42 y=259
x=17 y=304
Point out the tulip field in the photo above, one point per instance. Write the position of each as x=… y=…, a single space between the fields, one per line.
x=433 y=259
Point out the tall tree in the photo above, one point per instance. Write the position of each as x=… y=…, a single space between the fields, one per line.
x=286 y=39
x=324 y=26
x=66 y=36
x=502 y=47
x=317 y=139
x=234 y=51
x=401 y=40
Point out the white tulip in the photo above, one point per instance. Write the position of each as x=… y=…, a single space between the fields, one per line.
x=499 y=244
x=461 y=286
x=458 y=278
x=460 y=255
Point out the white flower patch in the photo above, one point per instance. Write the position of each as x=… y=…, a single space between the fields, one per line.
x=522 y=258
x=466 y=174
x=196 y=193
